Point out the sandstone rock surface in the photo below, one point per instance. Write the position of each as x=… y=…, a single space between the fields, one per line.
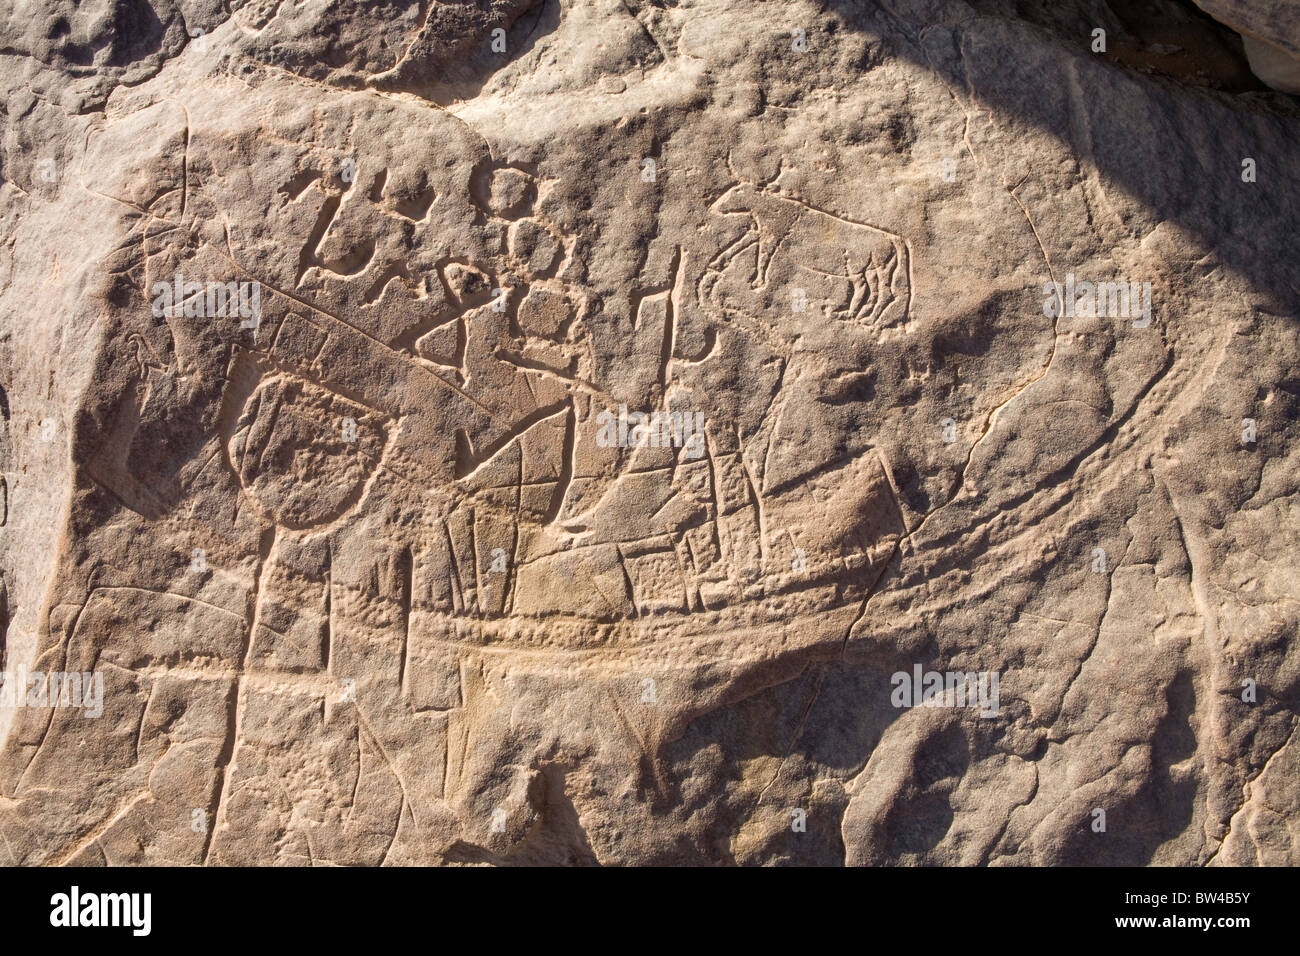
x=1270 y=33
x=573 y=431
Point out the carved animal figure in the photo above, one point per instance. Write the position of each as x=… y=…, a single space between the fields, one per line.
x=873 y=260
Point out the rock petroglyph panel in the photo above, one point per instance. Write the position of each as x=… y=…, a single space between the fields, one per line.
x=590 y=432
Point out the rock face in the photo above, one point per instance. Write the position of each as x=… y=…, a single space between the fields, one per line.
x=1270 y=33
x=646 y=432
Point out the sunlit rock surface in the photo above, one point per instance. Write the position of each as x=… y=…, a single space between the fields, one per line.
x=648 y=432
